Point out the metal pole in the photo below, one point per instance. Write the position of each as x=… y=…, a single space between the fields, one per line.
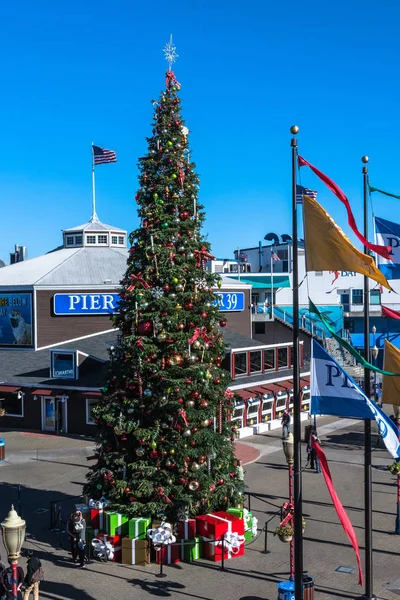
x=398 y=483
x=223 y=553
x=298 y=508
x=14 y=580
x=161 y=551
x=368 y=567
x=291 y=578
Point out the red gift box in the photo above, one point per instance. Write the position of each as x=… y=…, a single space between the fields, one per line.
x=170 y=554
x=116 y=543
x=187 y=529
x=97 y=518
x=214 y=527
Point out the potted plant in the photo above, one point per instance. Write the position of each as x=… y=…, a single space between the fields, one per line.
x=395 y=467
x=284 y=533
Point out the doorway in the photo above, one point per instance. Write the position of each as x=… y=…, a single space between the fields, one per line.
x=54 y=415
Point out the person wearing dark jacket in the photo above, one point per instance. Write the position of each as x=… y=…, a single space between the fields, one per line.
x=6 y=581
x=31 y=584
x=76 y=530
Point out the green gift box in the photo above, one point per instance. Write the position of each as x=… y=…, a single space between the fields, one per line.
x=190 y=550
x=248 y=536
x=116 y=524
x=137 y=528
x=236 y=511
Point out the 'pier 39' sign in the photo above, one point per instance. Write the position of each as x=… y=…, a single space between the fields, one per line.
x=106 y=304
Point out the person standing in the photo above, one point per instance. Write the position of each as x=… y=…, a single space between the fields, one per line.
x=6 y=582
x=34 y=575
x=76 y=530
x=314 y=462
x=285 y=422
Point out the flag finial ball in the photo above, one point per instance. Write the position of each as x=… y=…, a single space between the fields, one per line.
x=294 y=130
x=365 y=159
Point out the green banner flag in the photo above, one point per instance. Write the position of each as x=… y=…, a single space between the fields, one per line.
x=373 y=189
x=346 y=345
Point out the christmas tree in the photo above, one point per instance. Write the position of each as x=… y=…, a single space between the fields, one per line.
x=165 y=443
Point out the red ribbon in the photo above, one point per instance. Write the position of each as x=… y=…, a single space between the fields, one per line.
x=341 y=513
x=202 y=256
x=287 y=507
x=199 y=333
x=170 y=77
x=139 y=279
x=182 y=413
x=160 y=492
x=229 y=394
x=181 y=176
x=139 y=344
x=381 y=250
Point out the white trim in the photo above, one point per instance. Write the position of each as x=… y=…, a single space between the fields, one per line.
x=84 y=337
x=35 y=320
x=266 y=382
x=87 y=411
x=86 y=287
x=265 y=346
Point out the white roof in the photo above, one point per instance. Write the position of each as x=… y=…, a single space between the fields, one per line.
x=94 y=225
x=68 y=266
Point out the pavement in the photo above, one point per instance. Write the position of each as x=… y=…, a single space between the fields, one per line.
x=47 y=468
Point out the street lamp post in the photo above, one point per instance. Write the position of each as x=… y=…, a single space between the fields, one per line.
x=374 y=352
x=13 y=531
x=396 y=409
x=288 y=448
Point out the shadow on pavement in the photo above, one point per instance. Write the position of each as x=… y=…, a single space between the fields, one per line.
x=53 y=589
x=160 y=588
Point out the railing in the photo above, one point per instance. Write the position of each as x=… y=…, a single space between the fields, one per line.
x=304 y=322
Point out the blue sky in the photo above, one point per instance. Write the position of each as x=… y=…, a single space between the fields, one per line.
x=78 y=72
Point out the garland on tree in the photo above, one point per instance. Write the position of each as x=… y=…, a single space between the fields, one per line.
x=165 y=442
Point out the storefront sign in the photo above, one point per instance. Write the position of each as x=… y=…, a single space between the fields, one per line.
x=85 y=304
x=230 y=301
x=63 y=365
x=16 y=319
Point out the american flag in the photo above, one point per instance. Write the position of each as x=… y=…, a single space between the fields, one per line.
x=302 y=191
x=274 y=256
x=102 y=156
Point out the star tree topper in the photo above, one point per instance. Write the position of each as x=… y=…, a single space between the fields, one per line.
x=170 y=53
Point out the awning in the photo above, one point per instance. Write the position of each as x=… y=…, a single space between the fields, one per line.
x=264 y=281
x=44 y=393
x=272 y=387
x=9 y=389
x=92 y=394
x=287 y=385
x=245 y=394
x=263 y=391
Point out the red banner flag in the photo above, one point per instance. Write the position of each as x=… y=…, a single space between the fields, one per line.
x=388 y=312
x=381 y=250
x=341 y=513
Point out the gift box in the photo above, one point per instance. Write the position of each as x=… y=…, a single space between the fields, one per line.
x=187 y=529
x=239 y=512
x=190 y=549
x=115 y=541
x=137 y=528
x=116 y=524
x=97 y=518
x=169 y=553
x=214 y=527
x=135 y=552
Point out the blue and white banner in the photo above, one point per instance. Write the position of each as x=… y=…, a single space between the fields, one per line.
x=387 y=233
x=333 y=392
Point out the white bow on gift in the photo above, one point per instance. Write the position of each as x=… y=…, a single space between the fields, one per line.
x=254 y=524
x=232 y=541
x=99 y=544
x=161 y=536
x=99 y=504
x=250 y=522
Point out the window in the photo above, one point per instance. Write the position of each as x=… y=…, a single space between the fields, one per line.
x=78 y=240
x=349 y=325
x=121 y=240
x=114 y=239
x=255 y=362
x=374 y=297
x=233 y=268
x=102 y=239
x=283 y=255
x=90 y=404
x=259 y=327
x=218 y=269
x=70 y=240
x=240 y=363
x=63 y=365
x=357 y=297
x=283 y=358
x=318 y=273
x=269 y=359
x=90 y=239
x=13 y=406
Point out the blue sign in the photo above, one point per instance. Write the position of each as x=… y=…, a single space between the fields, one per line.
x=63 y=365
x=85 y=304
x=16 y=319
x=230 y=301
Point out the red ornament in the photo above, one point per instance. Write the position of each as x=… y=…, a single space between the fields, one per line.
x=165 y=287
x=184 y=215
x=180 y=400
x=154 y=454
x=223 y=323
x=188 y=380
x=188 y=305
x=181 y=326
x=145 y=328
x=217 y=381
x=204 y=316
x=204 y=404
x=195 y=394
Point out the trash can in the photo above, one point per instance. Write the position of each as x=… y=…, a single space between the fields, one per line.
x=2 y=449
x=286 y=590
x=308 y=588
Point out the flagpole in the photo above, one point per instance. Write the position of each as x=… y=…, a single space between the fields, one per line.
x=238 y=251
x=298 y=500
x=367 y=422
x=272 y=289
x=94 y=215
